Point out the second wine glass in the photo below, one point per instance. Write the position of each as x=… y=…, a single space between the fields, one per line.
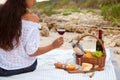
x=60 y=29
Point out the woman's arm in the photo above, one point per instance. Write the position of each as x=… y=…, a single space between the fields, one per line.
x=41 y=50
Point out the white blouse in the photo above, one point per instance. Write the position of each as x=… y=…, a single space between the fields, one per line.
x=29 y=43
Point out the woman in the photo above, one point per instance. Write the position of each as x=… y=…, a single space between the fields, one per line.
x=19 y=38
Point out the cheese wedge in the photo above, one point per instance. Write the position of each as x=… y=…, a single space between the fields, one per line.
x=87 y=66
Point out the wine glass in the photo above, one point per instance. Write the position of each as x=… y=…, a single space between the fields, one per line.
x=61 y=29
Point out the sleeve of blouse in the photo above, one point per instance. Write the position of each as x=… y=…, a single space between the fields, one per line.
x=33 y=42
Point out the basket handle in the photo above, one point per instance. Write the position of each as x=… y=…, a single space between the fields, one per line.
x=94 y=37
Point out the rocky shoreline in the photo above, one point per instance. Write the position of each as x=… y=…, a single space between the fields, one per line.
x=83 y=23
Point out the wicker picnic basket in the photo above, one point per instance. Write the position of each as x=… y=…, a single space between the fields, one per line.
x=95 y=61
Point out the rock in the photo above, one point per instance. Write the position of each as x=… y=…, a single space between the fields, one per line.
x=117 y=50
x=45 y=30
x=112 y=44
x=118 y=43
x=68 y=27
x=52 y=26
x=80 y=30
x=74 y=20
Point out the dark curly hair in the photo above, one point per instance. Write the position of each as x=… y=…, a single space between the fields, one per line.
x=10 y=23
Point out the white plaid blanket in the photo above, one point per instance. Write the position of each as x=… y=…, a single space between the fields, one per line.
x=46 y=70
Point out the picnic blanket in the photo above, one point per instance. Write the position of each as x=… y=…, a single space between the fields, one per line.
x=46 y=70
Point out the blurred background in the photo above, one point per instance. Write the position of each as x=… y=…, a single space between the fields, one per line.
x=109 y=9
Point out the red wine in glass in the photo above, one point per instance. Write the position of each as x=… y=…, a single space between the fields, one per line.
x=61 y=31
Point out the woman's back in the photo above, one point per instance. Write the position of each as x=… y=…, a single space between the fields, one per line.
x=29 y=43
x=19 y=38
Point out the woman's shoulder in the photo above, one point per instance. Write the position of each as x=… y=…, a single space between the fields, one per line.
x=31 y=17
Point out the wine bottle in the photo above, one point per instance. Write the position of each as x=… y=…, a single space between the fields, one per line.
x=98 y=45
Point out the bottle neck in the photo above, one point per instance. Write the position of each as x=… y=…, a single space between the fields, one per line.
x=100 y=34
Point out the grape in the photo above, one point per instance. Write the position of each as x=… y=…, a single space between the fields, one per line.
x=97 y=54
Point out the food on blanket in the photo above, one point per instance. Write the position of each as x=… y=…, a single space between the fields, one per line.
x=87 y=66
x=71 y=67
x=65 y=66
x=88 y=54
x=97 y=54
x=60 y=65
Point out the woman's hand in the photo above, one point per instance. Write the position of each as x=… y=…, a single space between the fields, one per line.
x=58 y=42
